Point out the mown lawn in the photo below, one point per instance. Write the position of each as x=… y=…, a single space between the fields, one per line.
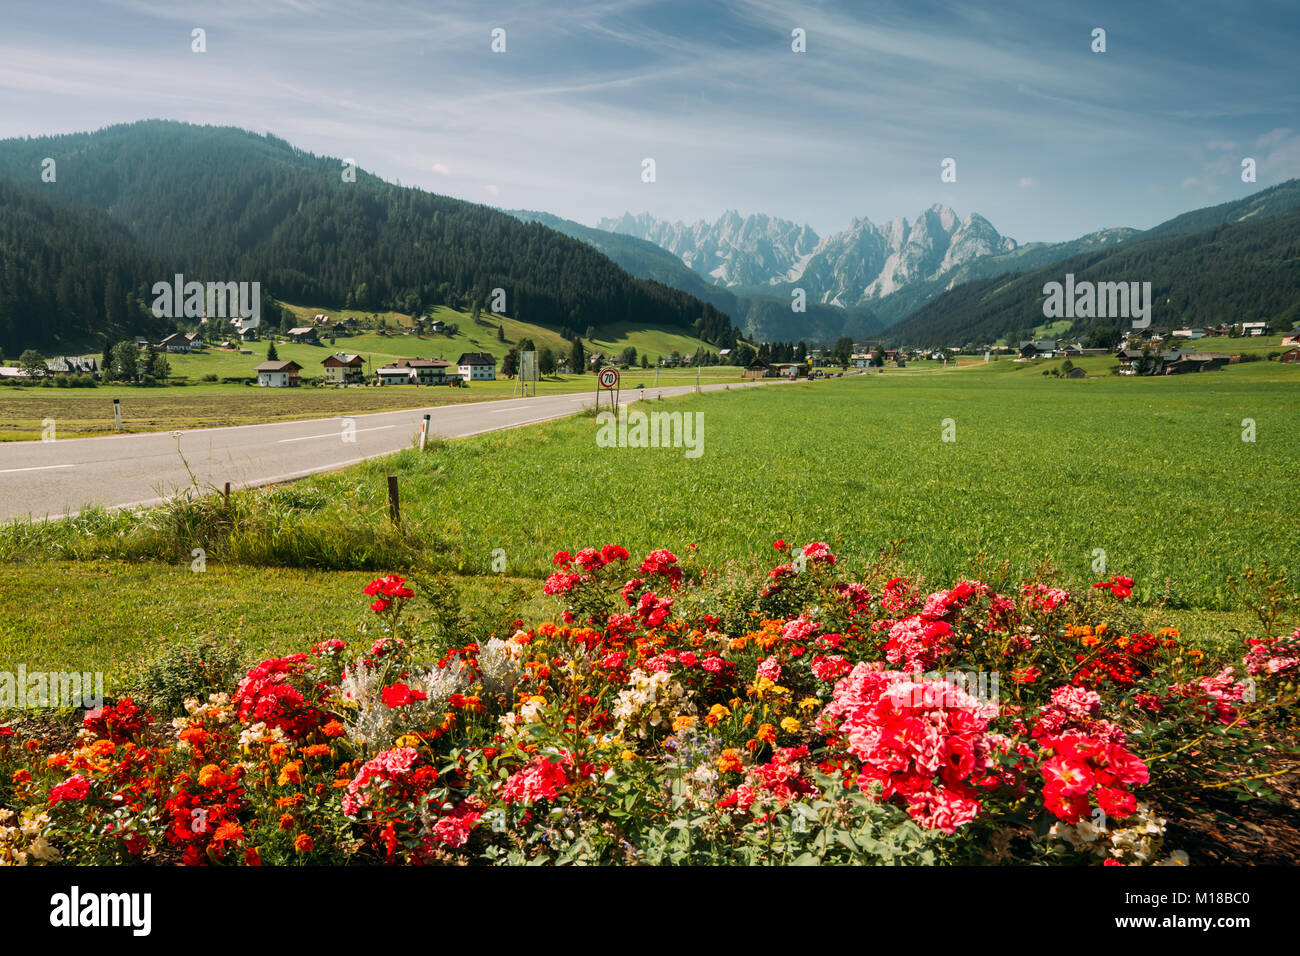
x=108 y=615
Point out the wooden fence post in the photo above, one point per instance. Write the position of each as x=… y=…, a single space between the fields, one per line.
x=394 y=507
x=226 y=495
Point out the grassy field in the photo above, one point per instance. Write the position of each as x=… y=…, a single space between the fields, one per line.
x=1152 y=471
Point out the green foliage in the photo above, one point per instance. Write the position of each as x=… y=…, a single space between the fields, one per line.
x=194 y=668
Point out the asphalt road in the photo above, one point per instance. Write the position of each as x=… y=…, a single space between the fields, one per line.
x=53 y=479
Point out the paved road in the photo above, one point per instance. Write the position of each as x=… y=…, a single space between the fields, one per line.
x=51 y=479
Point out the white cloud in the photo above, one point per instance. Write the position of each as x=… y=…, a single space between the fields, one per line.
x=441 y=169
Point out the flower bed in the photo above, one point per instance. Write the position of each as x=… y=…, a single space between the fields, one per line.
x=664 y=717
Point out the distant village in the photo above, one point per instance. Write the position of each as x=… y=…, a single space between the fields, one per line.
x=1154 y=350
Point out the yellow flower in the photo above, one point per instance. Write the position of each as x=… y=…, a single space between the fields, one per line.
x=716 y=713
x=408 y=740
x=790 y=725
x=809 y=703
x=682 y=721
x=747 y=720
x=628 y=755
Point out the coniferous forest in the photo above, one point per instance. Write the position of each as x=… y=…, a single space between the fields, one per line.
x=132 y=205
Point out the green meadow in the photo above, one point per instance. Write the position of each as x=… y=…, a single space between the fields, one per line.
x=1154 y=472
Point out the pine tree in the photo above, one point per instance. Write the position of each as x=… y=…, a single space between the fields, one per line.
x=271 y=354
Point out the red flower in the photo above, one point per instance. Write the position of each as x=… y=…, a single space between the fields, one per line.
x=75 y=788
x=399 y=695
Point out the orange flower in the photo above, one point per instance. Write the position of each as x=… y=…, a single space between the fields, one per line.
x=767 y=733
x=682 y=721
x=716 y=713
x=747 y=720
x=292 y=773
x=209 y=775
x=728 y=761
x=303 y=843
x=228 y=831
x=252 y=857
x=332 y=729
x=316 y=750
x=277 y=752
x=21 y=776
x=286 y=821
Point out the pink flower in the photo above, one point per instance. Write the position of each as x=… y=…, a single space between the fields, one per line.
x=770 y=669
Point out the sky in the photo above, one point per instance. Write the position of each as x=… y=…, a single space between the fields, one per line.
x=1050 y=139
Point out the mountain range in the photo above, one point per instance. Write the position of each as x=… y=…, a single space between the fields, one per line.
x=892 y=272
x=857 y=266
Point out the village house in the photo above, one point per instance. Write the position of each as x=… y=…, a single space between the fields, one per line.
x=416 y=371
x=1292 y=337
x=757 y=369
x=1043 y=348
x=304 y=335
x=1290 y=357
x=176 y=342
x=280 y=374
x=343 y=369
x=1254 y=328
x=860 y=359
x=477 y=367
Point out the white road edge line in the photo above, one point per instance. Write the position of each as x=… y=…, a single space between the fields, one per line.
x=5 y=471
x=377 y=428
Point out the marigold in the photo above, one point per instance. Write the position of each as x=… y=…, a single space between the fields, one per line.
x=790 y=725
x=303 y=843
x=729 y=761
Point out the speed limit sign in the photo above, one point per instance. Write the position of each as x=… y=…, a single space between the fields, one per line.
x=608 y=377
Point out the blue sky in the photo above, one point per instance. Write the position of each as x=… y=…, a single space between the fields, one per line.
x=1051 y=140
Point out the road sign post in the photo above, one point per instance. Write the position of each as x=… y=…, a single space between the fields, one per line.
x=117 y=414
x=607 y=380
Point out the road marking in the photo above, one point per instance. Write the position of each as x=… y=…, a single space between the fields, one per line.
x=5 y=471
x=377 y=428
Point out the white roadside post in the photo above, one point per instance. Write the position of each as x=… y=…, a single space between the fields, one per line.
x=117 y=414
x=424 y=432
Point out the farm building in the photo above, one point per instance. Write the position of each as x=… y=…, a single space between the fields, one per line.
x=304 y=335
x=1292 y=337
x=1043 y=348
x=1290 y=357
x=278 y=374
x=343 y=369
x=477 y=367
x=177 y=342
x=417 y=371
x=758 y=369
